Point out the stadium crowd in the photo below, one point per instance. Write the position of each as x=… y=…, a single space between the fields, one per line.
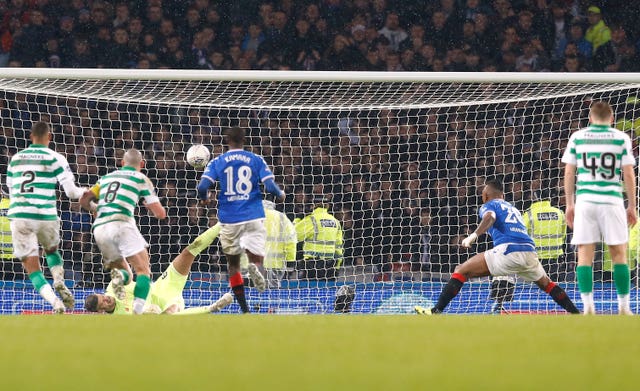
x=404 y=183
x=374 y=35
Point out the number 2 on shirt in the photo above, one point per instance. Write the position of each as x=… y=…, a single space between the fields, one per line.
x=513 y=214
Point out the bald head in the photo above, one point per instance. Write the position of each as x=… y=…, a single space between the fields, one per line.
x=132 y=158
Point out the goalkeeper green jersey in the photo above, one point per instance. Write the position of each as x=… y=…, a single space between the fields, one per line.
x=32 y=176
x=164 y=292
x=118 y=194
x=599 y=152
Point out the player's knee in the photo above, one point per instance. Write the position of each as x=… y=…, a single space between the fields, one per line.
x=51 y=250
x=460 y=270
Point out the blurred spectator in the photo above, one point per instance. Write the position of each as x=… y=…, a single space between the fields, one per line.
x=284 y=35
x=82 y=55
x=599 y=35
x=439 y=33
x=530 y=59
x=576 y=37
x=572 y=64
x=393 y=32
x=29 y=46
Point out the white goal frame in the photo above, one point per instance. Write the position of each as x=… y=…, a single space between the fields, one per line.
x=9 y=76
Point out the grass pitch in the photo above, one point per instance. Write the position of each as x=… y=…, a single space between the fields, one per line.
x=324 y=352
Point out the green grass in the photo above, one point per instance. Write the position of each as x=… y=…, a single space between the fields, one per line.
x=323 y=352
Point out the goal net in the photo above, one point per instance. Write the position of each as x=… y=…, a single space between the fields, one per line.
x=401 y=157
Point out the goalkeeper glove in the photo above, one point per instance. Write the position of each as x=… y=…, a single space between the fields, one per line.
x=468 y=241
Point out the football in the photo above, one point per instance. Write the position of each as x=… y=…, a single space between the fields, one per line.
x=198 y=156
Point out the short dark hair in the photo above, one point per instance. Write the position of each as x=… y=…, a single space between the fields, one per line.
x=235 y=135
x=495 y=184
x=40 y=129
x=601 y=111
x=91 y=303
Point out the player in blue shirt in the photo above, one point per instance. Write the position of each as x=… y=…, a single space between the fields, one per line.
x=240 y=211
x=513 y=252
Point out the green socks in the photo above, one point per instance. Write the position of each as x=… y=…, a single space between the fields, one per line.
x=585 y=278
x=143 y=285
x=38 y=280
x=622 y=278
x=54 y=259
x=125 y=277
x=43 y=287
x=55 y=262
x=140 y=293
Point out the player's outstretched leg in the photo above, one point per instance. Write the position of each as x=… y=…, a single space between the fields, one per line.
x=54 y=261
x=449 y=291
x=557 y=294
x=475 y=266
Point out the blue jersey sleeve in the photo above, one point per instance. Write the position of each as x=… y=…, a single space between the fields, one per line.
x=210 y=171
x=263 y=170
x=488 y=207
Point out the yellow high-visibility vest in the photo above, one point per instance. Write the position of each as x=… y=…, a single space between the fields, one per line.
x=281 y=240
x=322 y=236
x=6 y=244
x=547 y=227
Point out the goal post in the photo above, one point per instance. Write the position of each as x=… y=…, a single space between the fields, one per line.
x=401 y=156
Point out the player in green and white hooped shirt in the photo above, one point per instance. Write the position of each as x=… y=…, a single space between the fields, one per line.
x=115 y=230
x=32 y=176
x=600 y=155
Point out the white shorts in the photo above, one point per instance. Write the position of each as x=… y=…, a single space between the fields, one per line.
x=118 y=239
x=27 y=234
x=523 y=263
x=236 y=238
x=594 y=223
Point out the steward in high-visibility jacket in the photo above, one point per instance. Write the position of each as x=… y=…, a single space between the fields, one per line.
x=547 y=227
x=322 y=236
x=281 y=238
x=6 y=249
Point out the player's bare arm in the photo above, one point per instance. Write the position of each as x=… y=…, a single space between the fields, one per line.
x=487 y=221
x=87 y=201
x=569 y=192
x=157 y=210
x=629 y=177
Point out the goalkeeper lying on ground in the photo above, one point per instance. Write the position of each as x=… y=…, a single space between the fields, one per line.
x=165 y=296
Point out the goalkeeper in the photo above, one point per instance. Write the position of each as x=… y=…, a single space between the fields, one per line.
x=165 y=296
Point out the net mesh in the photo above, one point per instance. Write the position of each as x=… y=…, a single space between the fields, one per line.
x=403 y=164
